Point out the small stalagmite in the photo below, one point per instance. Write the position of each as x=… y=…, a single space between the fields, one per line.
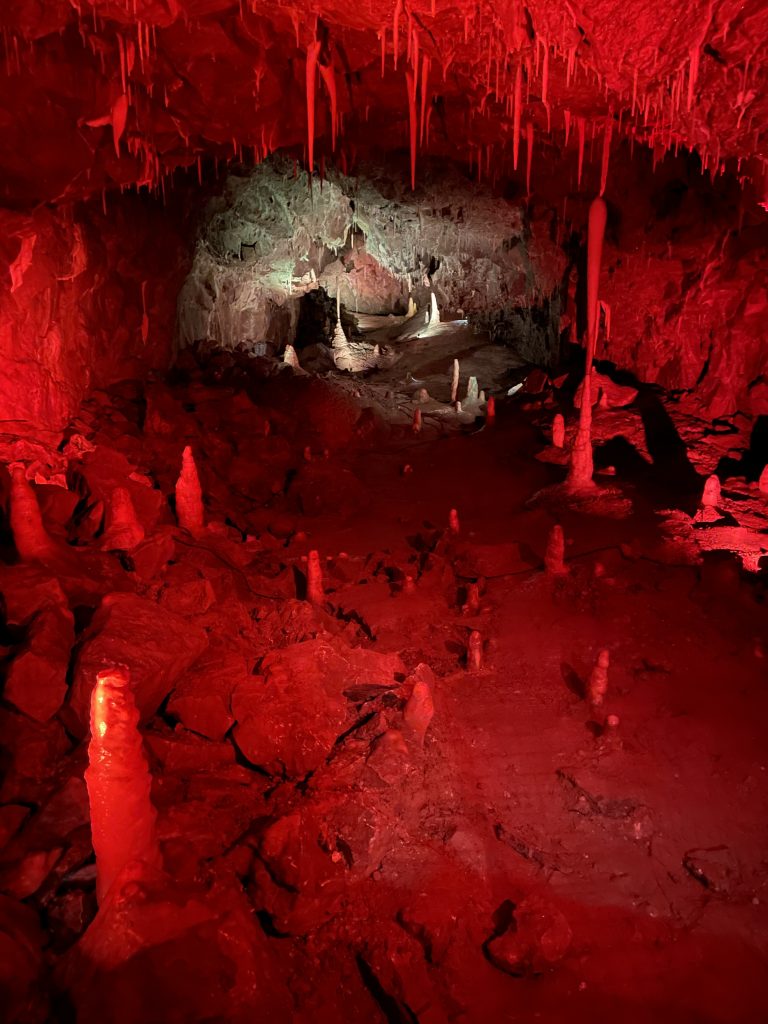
x=710 y=497
x=416 y=424
x=290 y=358
x=490 y=411
x=554 y=557
x=419 y=710
x=118 y=781
x=597 y=685
x=455 y=381
x=762 y=483
x=122 y=531
x=434 y=312
x=315 y=592
x=473 y=391
x=29 y=534
x=558 y=431
x=475 y=651
x=472 y=604
x=453 y=521
x=189 y=495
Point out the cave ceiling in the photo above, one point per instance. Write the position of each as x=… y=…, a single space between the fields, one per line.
x=101 y=94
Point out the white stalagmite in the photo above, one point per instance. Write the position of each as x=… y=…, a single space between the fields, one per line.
x=434 y=312
x=455 y=381
x=411 y=308
x=290 y=358
x=473 y=392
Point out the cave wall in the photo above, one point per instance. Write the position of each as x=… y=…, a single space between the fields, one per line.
x=266 y=241
x=86 y=298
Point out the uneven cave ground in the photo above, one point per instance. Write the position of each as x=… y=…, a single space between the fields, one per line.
x=321 y=862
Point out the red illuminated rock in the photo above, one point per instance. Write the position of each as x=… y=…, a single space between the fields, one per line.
x=558 y=431
x=289 y=717
x=36 y=682
x=157 y=646
x=201 y=700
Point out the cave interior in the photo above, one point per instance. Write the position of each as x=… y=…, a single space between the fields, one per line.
x=383 y=511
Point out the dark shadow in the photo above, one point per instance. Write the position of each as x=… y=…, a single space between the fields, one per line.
x=672 y=467
x=752 y=461
x=572 y=680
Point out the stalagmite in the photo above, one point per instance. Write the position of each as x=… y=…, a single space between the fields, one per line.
x=455 y=380
x=416 y=425
x=710 y=497
x=189 y=496
x=122 y=531
x=419 y=710
x=434 y=312
x=290 y=358
x=554 y=557
x=581 y=467
x=558 y=430
x=475 y=651
x=473 y=391
x=411 y=308
x=29 y=534
x=472 y=604
x=453 y=521
x=315 y=592
x=118 y=781
x=597 y=685
x=490 y=411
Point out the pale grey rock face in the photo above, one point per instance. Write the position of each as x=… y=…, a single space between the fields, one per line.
x=266 y=241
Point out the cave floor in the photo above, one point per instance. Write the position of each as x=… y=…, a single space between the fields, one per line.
x=523 y=864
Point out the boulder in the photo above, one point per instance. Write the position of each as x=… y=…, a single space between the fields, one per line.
x=202 y=699
x=290 y=716
x=157 y=646
x=36 y=683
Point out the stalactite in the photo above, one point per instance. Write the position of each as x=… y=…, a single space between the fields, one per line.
x=516 y=116
x=424 y=78
x=581 y=126
x=329 y=77
x=313 y=51
x=315 y=590
x=567 y=119
x=529 y=156
x=410 y=79
x=606 y=152
x=118 y=781
x=396 y=29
